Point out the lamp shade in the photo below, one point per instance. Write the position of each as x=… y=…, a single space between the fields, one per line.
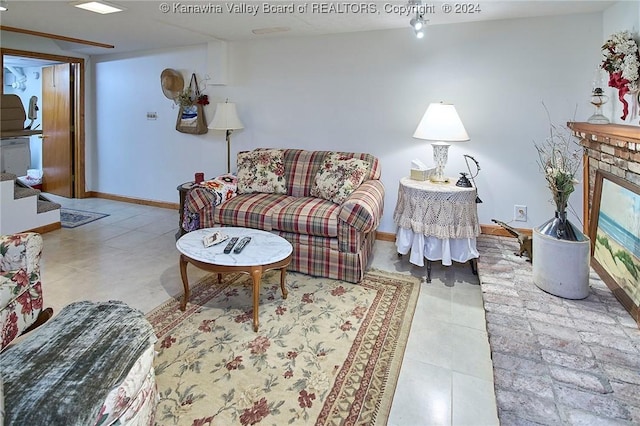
x=226 y=118
x=441 y=122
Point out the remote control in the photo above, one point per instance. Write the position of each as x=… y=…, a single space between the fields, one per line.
x=243 y=242
x=229 y=246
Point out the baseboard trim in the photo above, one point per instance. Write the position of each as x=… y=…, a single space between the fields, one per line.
x=385 y=236
x=46 y=228
x=501 y=232
x=484 y=229
x=141 y=201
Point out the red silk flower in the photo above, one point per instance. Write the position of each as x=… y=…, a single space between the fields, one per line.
x=622 y=84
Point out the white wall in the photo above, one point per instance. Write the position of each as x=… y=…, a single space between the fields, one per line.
x=361 y=92
x=354 y=92
x=143 y=158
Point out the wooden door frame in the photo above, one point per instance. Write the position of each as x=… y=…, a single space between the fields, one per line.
x=79 y=185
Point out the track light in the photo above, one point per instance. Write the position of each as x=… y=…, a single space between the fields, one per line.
x=418 y=25
x=3 y=6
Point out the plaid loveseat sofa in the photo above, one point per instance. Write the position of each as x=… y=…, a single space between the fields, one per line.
x=332 y=236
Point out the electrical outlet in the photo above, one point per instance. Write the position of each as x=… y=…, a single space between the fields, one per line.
x=520 y=213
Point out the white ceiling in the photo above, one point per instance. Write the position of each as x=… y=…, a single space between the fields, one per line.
x=144 y=26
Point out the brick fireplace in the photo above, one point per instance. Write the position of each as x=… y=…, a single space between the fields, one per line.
x=614 y=148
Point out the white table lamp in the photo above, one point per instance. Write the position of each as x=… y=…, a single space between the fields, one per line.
x=442 y=124
x=226 y=118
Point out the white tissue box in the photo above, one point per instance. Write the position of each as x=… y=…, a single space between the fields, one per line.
x=421 y=174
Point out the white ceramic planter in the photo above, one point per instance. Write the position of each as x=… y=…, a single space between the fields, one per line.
x=561 y=267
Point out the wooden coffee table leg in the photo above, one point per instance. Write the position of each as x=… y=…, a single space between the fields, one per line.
x=185 y=282
x=283 y=274
x=256 y=276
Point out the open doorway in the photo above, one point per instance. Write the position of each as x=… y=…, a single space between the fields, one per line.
x=60 y=153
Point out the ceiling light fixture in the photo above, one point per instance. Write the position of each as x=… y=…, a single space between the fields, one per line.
x=418 y=23
x=270 y=30
x=3 y=6
x=99 y=7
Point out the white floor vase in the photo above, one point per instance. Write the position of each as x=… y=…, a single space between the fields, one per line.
x=561 y=267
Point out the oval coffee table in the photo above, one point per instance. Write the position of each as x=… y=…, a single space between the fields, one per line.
x=265 y=252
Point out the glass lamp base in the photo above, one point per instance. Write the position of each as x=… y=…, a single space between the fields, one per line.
x=440 y=154
x=439 y=179
x=598 y=119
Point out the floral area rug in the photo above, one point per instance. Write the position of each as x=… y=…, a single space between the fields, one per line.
x=70 y=218
x=328 y=354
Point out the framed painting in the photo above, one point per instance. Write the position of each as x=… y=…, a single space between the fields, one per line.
x=615 y=238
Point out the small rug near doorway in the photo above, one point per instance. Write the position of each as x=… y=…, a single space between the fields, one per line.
x=329 y=354
x=70 y=218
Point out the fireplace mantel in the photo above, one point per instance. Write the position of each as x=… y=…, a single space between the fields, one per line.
x=613 y=131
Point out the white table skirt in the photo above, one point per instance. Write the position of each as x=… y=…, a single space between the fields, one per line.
x=434 y=249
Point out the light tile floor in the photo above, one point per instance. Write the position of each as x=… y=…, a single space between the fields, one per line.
x=446 y=376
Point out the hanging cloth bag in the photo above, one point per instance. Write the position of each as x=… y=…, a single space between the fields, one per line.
x=191 y=118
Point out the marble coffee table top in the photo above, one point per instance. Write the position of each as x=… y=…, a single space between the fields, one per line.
x=264 y=248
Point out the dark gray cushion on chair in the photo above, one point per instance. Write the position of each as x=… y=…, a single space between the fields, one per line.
x=62 y=372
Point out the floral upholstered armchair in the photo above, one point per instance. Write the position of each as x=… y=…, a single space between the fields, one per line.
x=20 y=286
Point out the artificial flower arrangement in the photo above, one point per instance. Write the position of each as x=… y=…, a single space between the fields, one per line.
x=622 y=62
x=560 y=159
x=186 y=99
